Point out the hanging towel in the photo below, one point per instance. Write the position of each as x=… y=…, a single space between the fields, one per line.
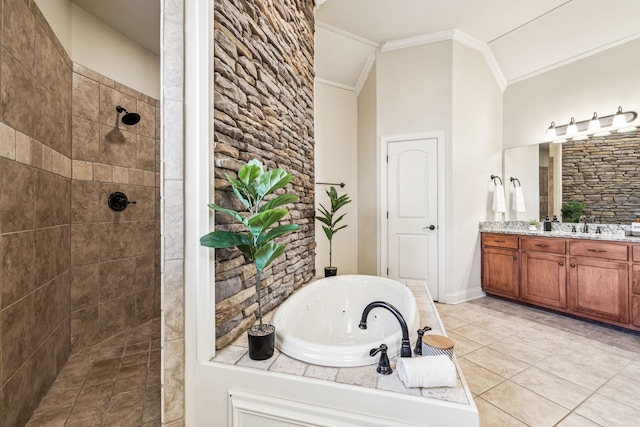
x=518 y=200
x=427 y=371
x=499 y=204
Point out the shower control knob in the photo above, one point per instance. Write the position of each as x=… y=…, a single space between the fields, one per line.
x=118 y=201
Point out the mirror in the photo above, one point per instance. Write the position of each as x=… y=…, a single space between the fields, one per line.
x=602 y=172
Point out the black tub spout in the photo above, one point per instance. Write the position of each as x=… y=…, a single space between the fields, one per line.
x=405 y=347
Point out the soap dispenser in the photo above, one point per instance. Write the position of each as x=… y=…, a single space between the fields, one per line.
x=547 y=223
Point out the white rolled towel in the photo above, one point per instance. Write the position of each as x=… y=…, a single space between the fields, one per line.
x=518 y=200
x=499 y=204
x=427 y=371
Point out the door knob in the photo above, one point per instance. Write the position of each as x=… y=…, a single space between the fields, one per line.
x=431 y=227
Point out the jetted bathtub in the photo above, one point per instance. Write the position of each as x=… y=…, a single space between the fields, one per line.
x=318 y=324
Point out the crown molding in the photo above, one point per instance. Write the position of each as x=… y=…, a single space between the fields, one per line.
x=366 y=69
x=334 y=84
x=346 y=34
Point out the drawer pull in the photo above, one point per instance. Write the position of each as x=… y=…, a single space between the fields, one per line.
x=500 y=241
x=561 y=264
x=596 y=250
x=573 y=265
x=540 y=245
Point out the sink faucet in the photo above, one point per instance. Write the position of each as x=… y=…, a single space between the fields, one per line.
x=405 y=347
x=584 y=219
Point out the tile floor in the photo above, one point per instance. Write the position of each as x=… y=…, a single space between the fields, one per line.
x=114 y=383
x=532 y=367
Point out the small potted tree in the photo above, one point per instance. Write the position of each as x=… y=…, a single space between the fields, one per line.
x=256 y=240
x=330 y=223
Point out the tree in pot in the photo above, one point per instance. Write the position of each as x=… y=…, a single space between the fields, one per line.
x=330 y=224
x=256 y=240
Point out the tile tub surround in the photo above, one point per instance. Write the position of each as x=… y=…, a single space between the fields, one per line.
x=363 y=376
x=613 y=232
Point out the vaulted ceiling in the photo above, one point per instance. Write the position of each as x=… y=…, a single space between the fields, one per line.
x=519 y=38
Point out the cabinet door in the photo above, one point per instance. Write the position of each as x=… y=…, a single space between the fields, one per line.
x=500 y=272
x=543 y=279
x=599 y=288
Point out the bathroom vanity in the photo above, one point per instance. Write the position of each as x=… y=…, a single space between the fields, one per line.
x=594 y=276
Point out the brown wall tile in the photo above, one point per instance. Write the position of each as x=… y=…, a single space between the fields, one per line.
x=52 y=200
x=146 y=153
x=118 y=146
x=52 y=253
x=147 y=124
x=109 y=99
x=117 y=278
x=86 y=242
x=84 y=201
x=17 y=254
x=86 y=98
x=18 y=95
x=18 y=339
x=16 y=209
x=18 y=396
x=85 y=286
x=144 y=306
x=19 y=32
x=84 y=328
x=116 y=315
x=86 y=140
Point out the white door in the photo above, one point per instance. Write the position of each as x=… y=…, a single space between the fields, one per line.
x=412 y=193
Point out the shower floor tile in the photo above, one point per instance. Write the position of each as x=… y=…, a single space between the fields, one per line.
x=112 y=383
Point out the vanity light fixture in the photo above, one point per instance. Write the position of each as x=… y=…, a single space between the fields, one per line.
x=594 y=123
x=572 y=129
x=621 y=121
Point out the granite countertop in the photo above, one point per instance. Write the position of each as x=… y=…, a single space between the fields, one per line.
x=609 y=232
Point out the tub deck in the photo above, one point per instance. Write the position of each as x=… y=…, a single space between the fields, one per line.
x=236 y=354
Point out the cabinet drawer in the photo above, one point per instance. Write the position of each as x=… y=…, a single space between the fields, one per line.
x=636 y=253
x=635 y=311
x=635 y=287
x=598 y=250
x=500 y=240
x=542 y=244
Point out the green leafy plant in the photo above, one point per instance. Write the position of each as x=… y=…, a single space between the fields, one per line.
x=533 y=222
x=572 y=210
x=328 y=216
x=256 y=241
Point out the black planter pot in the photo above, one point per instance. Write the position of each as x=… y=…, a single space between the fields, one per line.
x=330 y=271
x=261 y=343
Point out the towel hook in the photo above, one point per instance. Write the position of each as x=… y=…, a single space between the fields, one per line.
x=514 y=184
x=494 y=177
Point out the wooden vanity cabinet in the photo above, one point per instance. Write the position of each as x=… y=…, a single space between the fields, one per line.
x=596 y=279
x=500 y=265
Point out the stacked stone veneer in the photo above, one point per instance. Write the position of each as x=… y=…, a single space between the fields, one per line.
x=604 y=173
x=263 y=109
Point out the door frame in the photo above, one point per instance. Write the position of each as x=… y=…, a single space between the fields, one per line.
x=382 y=213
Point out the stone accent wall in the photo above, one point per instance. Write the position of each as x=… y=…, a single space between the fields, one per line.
x=35 y=192
x=115 y=256
x=263 y=109
x=604 y=173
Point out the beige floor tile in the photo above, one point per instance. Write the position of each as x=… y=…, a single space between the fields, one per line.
x=478 y=378
x=479 y=334
x=525 y=405
x=631 y=371
x=570 y=370
x=468 y=313
x=554 y=388
x=622 y=390
x=575 y=420
x=491 y=416
x=462 y=345
x=506 y=326
x=496 y=362
x=515 y=348
x=608 y=412
x=450 y=323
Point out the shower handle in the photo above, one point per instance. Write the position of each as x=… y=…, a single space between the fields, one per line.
x=118 y=201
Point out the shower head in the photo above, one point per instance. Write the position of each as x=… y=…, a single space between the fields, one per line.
x=128 y=119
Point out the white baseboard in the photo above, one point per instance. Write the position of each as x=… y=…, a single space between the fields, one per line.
x=463 y=296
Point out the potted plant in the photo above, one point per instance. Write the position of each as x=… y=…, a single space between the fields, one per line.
x=533 y=225
x=572 y=210
x=330 y=223
x=255 y=241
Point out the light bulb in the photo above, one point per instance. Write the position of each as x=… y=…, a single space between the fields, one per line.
x=572 y=129
x=594 y=123
x=619 y=119
x=551 y=132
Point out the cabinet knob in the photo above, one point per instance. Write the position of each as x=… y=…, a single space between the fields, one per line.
x=561 y=264
x=573 y=265
x=515 y=257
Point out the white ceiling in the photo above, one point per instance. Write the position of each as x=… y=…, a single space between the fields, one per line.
x=138 y=20
x=519 y=38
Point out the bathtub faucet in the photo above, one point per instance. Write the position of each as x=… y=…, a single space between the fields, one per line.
x=405 y=348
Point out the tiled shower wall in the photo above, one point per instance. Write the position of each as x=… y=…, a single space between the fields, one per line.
x=72 y=271
x=35 y=214
x=114 y=255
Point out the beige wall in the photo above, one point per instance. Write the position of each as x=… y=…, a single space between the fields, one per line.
x=336 y=161
x=99 y=47
x=368 y=193
x=600 y=83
